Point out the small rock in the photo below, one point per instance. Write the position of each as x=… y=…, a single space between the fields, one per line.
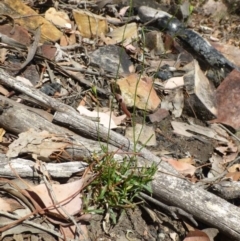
x=112 y=59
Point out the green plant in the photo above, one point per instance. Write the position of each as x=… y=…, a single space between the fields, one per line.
x=191 y=8
x=117 y=184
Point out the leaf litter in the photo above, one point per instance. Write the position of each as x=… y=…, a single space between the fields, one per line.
x=76 y=52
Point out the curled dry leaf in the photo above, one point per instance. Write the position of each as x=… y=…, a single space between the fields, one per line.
x=182 y=128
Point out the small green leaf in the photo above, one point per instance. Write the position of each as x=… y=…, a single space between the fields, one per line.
x=103 y=191
x=94 y=90
x=191 y=7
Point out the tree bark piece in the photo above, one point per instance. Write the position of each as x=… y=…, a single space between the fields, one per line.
x=201 y=101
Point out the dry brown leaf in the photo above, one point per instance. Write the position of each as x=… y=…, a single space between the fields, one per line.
x=89 y=24
x=70 y=232
x=9 y=205
x=17 y=8
x=139 y=91
x=64 y=41
x=63 y=192
x=158 y=115
x=188 y=160
x=3 y=55
x=229 y=151
x=234 y=168
x=228 y=101
x=124 y=34
x=24 y=80
x=174 y=102
x=107 y=119
x=185 y=129
x=184 y=168
x=58 y=18
x=234 y=176
x=174 y=82
x=217 y=165
x=20 y=33
x=42 y=144
x=197 y=235
x=211 y=232
x=123 y=11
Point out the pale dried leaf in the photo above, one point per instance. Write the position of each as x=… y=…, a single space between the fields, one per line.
x=24 y=80
x=104 y=119
x=124 y=34
x=183 y=168
x=89 y=24
x=64 y=193
x=228 y=100
x=139 y=91
x=48 y=31
x=58 y=18
x=234 y=176
x=234 y=168
x=142 y=133
x=42 y=144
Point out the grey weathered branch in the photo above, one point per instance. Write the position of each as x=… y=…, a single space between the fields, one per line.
x=25 y=168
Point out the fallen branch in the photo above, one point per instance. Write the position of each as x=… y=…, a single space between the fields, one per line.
x=18 y=118
x=25 y=168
